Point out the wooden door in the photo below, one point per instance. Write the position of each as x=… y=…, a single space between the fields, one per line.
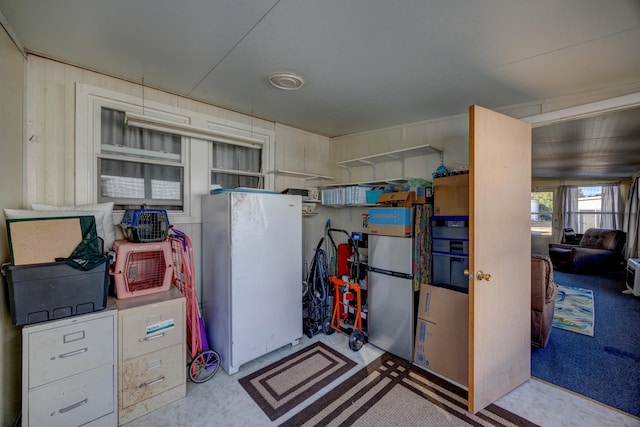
x=500 y=245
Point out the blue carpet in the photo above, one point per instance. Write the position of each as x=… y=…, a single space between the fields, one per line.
x=605 y=367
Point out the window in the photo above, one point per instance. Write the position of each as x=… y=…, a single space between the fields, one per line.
x=139 y=166
x=593 y=206
x=589 y=207
x=236 y=166
x=541 y=213
x=170 y=165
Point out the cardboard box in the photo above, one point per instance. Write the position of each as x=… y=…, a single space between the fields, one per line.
x=451 y=195
x=443 y=306
x=391 y=221
x=424 y=195
x=442 y=332
x=398 y=198
x=442 y=350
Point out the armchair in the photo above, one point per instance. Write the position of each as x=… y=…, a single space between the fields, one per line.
x=543 y=299
x=599 y=250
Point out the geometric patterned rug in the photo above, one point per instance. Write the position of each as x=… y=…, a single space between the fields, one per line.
x=285 y=384
x=391 y=391
x=574 y=310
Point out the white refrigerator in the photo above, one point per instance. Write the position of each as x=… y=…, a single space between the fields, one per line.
x=251 y=273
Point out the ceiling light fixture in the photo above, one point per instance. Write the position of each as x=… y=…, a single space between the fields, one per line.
x=286 y=80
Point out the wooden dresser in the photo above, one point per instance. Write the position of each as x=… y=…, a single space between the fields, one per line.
x=151 y=352
x=69 y=369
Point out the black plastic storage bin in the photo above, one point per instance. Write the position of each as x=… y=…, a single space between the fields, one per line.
x=448 y=272
x=49 y=291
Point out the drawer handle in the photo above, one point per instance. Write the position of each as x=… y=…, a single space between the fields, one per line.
x=150 y=383
x=152 y=337
x=74 y=406
x=74 y=353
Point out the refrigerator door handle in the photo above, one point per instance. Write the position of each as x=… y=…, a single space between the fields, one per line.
x=390 y=273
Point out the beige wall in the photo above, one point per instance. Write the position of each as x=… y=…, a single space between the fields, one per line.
x=11 y=122
x=51 y=142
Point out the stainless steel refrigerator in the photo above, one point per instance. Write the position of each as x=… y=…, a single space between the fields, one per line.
x=251 y=273
x=390 y=317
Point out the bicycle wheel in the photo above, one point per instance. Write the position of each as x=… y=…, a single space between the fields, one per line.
x=204 y=366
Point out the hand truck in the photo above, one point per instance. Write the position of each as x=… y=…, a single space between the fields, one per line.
x=203 y=363
x=350 y=291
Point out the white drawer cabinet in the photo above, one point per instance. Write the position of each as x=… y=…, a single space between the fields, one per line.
x=69 y=371
x=151 y=352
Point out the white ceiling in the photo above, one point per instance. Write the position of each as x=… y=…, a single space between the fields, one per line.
x=367 y=63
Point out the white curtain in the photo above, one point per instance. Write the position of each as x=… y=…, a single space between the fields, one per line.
x=609 y=216
x=236 y=158
x=632 y=218
x=114 y=132
x=569 y=204
x=611 y=208
x=131 y=179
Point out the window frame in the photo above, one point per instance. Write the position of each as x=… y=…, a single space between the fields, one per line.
x=215 y=169
x=196 y=161
x=100 y=155
x=551 y=214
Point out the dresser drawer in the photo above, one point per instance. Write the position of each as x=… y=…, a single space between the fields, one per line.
x=152 y=374
x=66 y=350
x=151 y=327
x=73 y=401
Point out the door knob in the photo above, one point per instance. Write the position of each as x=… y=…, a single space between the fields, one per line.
x=483 y=276
x=479 y=275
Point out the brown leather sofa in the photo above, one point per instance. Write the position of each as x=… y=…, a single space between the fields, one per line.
x=599 y=250
x=543 y=299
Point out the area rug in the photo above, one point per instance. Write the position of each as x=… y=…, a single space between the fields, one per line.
x=391 y=391
x=285 y=384
x=574 y=310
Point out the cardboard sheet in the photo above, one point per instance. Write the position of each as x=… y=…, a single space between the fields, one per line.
x=34 y=241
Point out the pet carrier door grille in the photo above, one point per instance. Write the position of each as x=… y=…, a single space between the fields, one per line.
x=145 y=270
x=145 y=225
x=142 y=268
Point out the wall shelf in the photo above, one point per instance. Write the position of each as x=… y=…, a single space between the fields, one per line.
x=373 y=183
x=397 y=155
x=304 y=175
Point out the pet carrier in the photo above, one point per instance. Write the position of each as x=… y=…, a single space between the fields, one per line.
x=141 y=268
x=145 y=225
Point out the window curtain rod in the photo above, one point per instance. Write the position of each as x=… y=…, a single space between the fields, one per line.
x=183 y=129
